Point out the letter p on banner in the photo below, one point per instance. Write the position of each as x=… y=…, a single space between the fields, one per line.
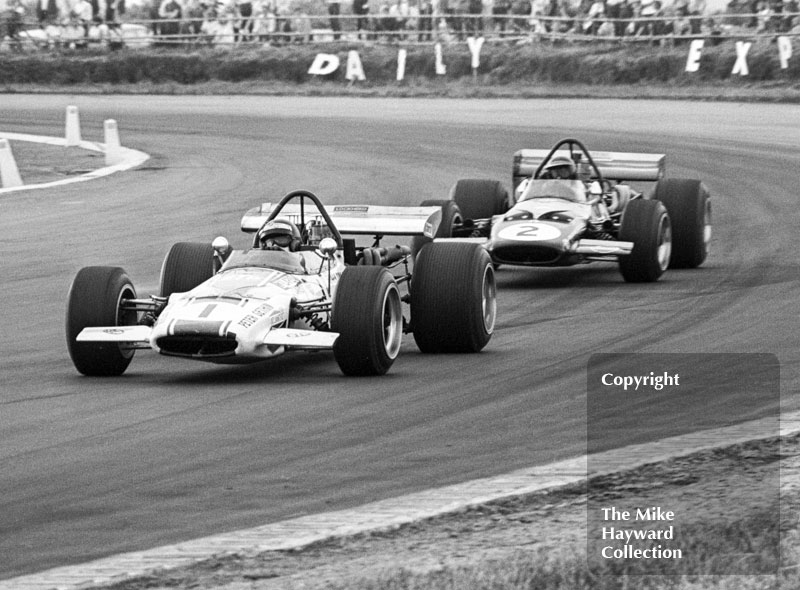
x=324 y=64
x=695 y=51
x=784 y=51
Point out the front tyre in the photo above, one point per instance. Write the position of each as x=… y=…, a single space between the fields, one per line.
x=646 y=224
x=186 y=265
x=689 y=206
x=453 y=298
x=368 y=316
x=95 y=299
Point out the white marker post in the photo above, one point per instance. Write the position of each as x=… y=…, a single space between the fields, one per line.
x=9 y=173
x=113 y=149
x=73 y=127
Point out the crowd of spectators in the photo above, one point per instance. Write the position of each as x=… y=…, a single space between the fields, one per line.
x=282 y=21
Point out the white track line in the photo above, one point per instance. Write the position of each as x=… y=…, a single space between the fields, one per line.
x=391 y=513
x=131 y=158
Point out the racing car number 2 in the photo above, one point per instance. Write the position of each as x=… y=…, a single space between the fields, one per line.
x=529 y=231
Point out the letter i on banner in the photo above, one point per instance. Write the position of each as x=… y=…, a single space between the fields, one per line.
x=355 y=71
x=784 y=51
x=401 y=64
x=740 y=67
x=441 y=69
x=695 y=51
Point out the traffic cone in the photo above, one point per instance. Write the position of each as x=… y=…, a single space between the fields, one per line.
x=113 y=147
x=9 y=173
x=73 y=131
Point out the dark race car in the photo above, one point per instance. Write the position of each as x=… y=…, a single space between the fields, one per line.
x=571 y=206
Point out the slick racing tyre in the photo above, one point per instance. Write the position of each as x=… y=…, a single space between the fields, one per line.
x=646 y=224
x=453 y=298
x=689 y=206
x=479 y=198
x=367 y=315
x=451 y=217
x=186 y=265
x=95 y=299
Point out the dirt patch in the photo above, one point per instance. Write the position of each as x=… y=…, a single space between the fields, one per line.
x=711 y=486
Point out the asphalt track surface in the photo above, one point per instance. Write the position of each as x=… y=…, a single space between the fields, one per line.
x=175 y=450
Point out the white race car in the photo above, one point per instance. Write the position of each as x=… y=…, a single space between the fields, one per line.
x=322 y=291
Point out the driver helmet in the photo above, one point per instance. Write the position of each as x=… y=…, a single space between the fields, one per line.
x=279 y=234
x=560 y=167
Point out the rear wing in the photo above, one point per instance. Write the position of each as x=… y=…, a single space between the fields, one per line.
x=612 y=165
x=357 y=219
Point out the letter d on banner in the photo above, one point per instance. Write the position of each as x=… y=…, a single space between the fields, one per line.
x=695 y=51
x=784 y=51
x=324 y=64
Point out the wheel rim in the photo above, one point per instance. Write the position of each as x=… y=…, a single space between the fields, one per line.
x=489 y=299
x=392 y=322
x=707 y=225
x=126 y=317
x=664 y=243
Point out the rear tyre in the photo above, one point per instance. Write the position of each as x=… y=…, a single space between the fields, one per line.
x=453 y=298
x=479 y=198
x=451 y=217
x=689 y=206
x=95 y=299
x=646 y=224
x=368 y=316
x=186 y=265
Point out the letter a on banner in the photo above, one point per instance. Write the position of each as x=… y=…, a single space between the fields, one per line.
x=475 y=49
x=784 y=51
x=441 y=69
x=740 y=67
x=695 y=51
x=355 y=71
x=401 y=64
x=324 y=64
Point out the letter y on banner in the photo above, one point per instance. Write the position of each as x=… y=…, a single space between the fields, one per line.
x=475 y=49
x=740 y=67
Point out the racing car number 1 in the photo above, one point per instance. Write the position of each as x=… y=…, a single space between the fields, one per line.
x=529 y=231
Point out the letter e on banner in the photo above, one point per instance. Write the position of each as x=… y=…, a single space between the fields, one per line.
x=441 y=69
x=355 y=71
x=401 y=64
x=740 y=67
x=475 y=49
x=695 y=51
x=324 y=64
x=784 y=51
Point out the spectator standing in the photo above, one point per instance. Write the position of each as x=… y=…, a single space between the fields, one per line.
x=170 y=14
x=82 y=16
x=425 y=20
x=696 y=9
x=460 y=11
x=790 y=7
x=475 y=18
x=360 y=10
x=500 y=11
x=613 y=12
x=14 y=16
x=334 y=10
x=520 y=8
x=46 y=11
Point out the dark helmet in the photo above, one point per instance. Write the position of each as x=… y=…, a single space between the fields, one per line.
x=279 y=233
x=560 y=167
